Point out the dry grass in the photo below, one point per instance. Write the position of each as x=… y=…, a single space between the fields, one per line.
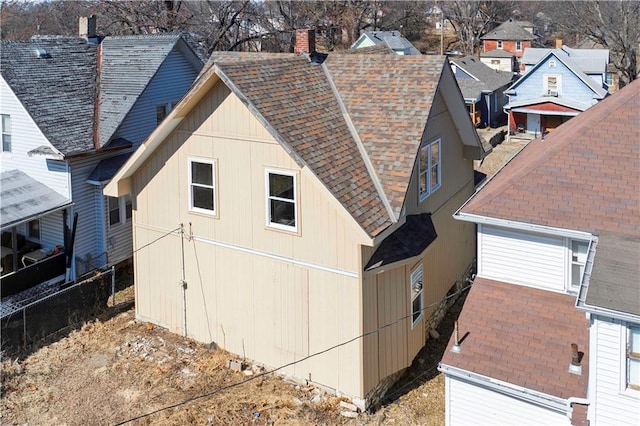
x=498 y=157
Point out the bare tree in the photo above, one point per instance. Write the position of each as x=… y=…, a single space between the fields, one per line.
x=471 y=19
x=612 y=24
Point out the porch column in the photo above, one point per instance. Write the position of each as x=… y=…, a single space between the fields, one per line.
x=14 y=247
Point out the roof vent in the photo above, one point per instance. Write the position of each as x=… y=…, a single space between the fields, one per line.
x=575 y=366
x=42 y=53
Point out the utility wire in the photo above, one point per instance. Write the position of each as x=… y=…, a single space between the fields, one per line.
x=257 y=376
x=157 y=239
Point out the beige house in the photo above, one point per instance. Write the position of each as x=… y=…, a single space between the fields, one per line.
x=316 y=197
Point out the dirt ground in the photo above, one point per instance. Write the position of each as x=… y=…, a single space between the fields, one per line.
x=115 y=369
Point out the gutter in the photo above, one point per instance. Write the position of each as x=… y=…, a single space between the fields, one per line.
x=551 y=402
x=521 y=226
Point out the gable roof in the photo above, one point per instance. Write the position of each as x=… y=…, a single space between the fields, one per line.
x=392 y=39
x=509 y=30
x=484 y=78
x=59 y=89
x=582 y=176
x=589 y=61
x=521 y=336
x=355 y=120
x=128 y=65
x=561 y=55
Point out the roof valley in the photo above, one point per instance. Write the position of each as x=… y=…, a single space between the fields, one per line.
x=361 y=149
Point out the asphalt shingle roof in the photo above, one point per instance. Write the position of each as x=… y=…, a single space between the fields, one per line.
x=488 y=79
x=509 y=30
x=57 y=90
x=392 y=39
x=523 y=336
x=583 y=176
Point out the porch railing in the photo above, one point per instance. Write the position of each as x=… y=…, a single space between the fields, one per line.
x=44 y=270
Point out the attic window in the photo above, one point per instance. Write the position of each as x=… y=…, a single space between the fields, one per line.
x=429 y=169
x=552 y=63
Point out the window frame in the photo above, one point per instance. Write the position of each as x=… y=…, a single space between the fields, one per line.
x=628 y=357
x=5 y=134
x=429 y=188
x=499 y=44
x=268 y=197
x=111 y=209
x=163 y=110
x=572 y=262
x=518 y=45
x=124 y=210
x=214 y=185
x=416 y=277
x=558 y=83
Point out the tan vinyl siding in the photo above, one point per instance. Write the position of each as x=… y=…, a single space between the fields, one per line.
x=270 y=295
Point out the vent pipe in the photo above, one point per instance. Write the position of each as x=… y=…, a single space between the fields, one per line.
x=575 y=367
x=456 y=342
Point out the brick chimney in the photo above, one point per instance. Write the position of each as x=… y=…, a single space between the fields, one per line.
x=87 y=27
x=305 y=41
x=558 y=43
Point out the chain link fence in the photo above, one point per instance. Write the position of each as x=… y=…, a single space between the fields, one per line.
x=25 y=323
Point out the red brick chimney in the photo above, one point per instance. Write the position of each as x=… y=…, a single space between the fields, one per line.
x=305 y=41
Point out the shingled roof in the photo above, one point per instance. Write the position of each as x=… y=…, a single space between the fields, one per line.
x=521 y=336
x=59 y=86
x=483 y=78
x=55 y=80
x=582 y=176
x=509 y=30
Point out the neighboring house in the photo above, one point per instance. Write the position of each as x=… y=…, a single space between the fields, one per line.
x=500 y=60
x=74 y=110
x=392 y=39
x=311 y=197
x=511 y=36
x=592 y=62
x=482 y=89
x=558 y=238
x=551 y=92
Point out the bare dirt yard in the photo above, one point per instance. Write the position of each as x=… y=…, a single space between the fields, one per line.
x=117 y=370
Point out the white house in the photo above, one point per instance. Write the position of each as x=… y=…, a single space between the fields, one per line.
x=550 y=331
x=73 y=109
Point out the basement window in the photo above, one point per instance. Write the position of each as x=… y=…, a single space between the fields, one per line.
x=282 y=210
x=416 y=287
x=633 y=357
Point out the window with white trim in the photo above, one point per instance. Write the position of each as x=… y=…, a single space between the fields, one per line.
x=120 y=209
x=518 y=45
x=578 y=260
x=6 y=133
x=282 y=209
x=202 y=186
x=633 y=357
x=552 y=84
x=416 y=287
x=429 y=169
x=499 y=44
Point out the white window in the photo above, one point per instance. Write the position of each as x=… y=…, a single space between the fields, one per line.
x=6 y=133
x=416 y=291
x=578 y=260
x=33 y=230
x=499 y=44
x=282 y=209
x=429 y=171
x=552 y=63
x=120 y=209
x=633 y=357
x=518 y=45
x=202 y=186
x=552 y=84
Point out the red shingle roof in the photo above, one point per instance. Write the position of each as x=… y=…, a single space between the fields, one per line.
x=585 y=175
x=523 y=336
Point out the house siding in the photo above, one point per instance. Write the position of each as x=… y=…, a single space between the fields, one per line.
x=469 y=404
x=505 y=64
x=612 y=404
x=269 y=295
x=26 y=136
x=507 y=45
x=517 y=257
x=571 y=87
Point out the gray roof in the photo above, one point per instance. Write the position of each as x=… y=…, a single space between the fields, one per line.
x=392 y=39
x=57 y=89
x=137 y=57
x=483 y=78
x=107 y=168
x=497 y=53
x=614 y=283
x=590 y=61
x=509 y=30
x=24 y=198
